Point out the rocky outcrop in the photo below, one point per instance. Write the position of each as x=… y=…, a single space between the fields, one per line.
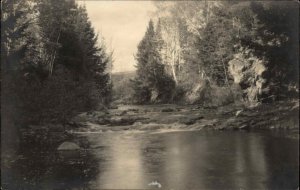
x=248 y=71
x=154 y=96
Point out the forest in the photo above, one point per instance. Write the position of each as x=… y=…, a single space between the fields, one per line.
x=53 y=64
x=219 y=52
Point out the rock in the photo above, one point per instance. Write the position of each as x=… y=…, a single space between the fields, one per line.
x=198 y=92
x=191 y=120
x=249 y=71
x=295 y=107
x=122 y=121
x=138 y=123
x=238 y=112
x=113 y=107
x=102 y=121
x=68 y=146
x=154 y=96
x=123 y=113
x=199 y=117
x=168 y=110
x=244 y=127
x=133 y=110
x=100 y=114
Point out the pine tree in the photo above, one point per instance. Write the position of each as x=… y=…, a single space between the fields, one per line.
x=215 y=47
x=151 y=84
x=21 y=60
x=51 y=59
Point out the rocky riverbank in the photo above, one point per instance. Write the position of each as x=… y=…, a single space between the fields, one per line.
x=158 y=118
x=275 y=116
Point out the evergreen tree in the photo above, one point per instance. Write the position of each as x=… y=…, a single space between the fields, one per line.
x=51 y=59
x=22 y=54
x=151 y=82
x=215 y=46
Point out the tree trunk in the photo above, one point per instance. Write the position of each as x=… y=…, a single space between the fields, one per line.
x=54 y=55
x=226 y=77
x=173 y=68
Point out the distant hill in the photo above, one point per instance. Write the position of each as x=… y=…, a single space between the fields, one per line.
x=121 y=86
x=119 y=76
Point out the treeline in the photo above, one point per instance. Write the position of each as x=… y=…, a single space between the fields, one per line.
x=203 y=51
x=53 y=63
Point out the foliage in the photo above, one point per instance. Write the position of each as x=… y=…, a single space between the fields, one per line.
x=273 y=37
x=212 y=34
x=151 y=83
x=52 y=64
x=122 y=91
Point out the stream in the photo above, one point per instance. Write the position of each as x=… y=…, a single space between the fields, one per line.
x=162 y=157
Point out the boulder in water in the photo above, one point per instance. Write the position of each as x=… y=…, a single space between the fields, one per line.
x=68 y=146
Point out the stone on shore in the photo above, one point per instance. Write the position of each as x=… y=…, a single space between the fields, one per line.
x=68 y=146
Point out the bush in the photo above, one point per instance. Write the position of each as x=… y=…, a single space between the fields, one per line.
x=220 y=96
x=208 y=94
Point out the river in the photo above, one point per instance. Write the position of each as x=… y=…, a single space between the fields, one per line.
x=167 y=159
x=195 y=160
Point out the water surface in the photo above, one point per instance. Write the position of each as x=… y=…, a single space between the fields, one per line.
x=195 y=160
x=175 y=160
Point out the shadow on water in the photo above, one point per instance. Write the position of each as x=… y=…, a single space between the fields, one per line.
x=50 y=169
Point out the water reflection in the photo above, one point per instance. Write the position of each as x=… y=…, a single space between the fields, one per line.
x=250 y=162
x=125 y=167
x=195 y=160
x=282 y=156
x=50 y=170
x=177 y=160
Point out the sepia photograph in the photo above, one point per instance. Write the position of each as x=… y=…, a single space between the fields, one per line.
x=138 y=94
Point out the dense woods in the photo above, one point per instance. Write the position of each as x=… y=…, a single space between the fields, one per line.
x=53 y=63
x=219 y=51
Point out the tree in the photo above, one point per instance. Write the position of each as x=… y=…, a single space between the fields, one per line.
x=215 y=47
x=267 y=30
x=22 y=53
x=51 y=58
x=277 y=38
x=183 y=24
x=151 y=83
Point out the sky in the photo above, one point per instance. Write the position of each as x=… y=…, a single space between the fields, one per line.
x=123 y=25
